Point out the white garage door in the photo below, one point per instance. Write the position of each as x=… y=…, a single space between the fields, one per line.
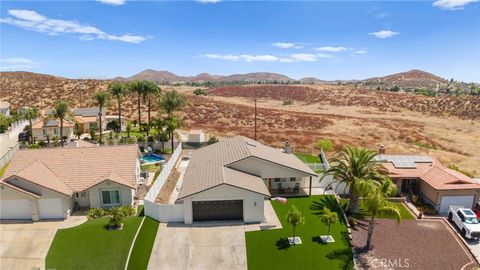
x=15 y=209
x=50 y=208
x=466 y=201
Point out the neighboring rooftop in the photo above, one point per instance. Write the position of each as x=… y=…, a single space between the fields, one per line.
x=92 y=111
x=68 y=170
x=209 y=166
x=51 y=123
x=428 y=169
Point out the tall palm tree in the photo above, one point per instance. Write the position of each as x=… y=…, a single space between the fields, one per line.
x=170 y=103
x=375 y=204
x=118 y=90
x=29 y=114
x=160 y=125
x=61 y=112
x=151 y=90
x=172 y=123
x=138 y=88
x=354 y=166
x=101 y=99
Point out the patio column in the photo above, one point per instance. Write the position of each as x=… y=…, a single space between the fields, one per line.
x=310 y=187
x=270 y=184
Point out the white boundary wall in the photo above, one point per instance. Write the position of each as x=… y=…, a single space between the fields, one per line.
x=163 y=212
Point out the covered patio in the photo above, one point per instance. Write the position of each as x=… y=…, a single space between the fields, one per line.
x=290 y=186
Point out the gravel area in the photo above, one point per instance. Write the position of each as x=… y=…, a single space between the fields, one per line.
x=168 y=187
x=414 y=244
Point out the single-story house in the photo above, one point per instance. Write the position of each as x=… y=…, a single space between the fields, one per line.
x=230 y=180
x=5 y=108
x=427 y=177
x=123 y=120
x=48 y=129
x=87 y=118
x=49 y=183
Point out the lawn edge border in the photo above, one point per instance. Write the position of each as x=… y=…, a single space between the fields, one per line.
x=354 y=254
x=133 y=243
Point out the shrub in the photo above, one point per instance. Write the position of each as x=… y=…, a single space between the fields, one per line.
x=131 y=140
x=141 y=139
x=287 y=102
x=34 y=146
x=117 y=215
x=42 y=143
x=199 y=92
x=128 y=210
x=325 y=144
x=212 y=140
x=151 y=138
x=94 y=213
x=142 y=149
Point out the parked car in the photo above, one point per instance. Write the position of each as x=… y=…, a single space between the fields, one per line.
x=466 y=221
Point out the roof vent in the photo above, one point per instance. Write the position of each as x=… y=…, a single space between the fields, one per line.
x=381 y=149
x=288 y=148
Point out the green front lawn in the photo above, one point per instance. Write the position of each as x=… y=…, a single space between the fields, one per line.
x=308 y=158
x=270 y=249
x=92 y=246
x=143 y=245
x=404 y=213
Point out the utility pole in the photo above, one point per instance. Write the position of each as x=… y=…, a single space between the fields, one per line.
x=255 y=119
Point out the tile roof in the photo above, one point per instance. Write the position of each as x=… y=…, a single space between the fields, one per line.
x=432 y=172
x=208 y=166
x=85 y=119
x=69 y=170
x=51 y=123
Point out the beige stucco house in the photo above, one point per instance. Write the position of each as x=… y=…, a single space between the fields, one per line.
x=49 y=183
x=48 y=129
x=427 y=177
x=230 y=180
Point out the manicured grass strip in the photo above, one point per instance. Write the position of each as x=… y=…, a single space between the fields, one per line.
x=308 y=158
x=143 y=245
x=404 y=213
x=270 y=249
x=92 y=246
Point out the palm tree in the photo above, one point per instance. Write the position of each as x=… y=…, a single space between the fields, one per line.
x=151 y=89
x=375 y=204
x=117 y=89
x=295 y=218
x=101 y=99
x=29 y=114
x=60 y=112
x=160 y=125
x=137 y=87
x=170 y=103
x=171 y=124
x=352 y=166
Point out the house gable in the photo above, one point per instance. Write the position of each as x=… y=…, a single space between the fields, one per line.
x=265 y=168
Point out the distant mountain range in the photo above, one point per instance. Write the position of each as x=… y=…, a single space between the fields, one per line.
x=412 y=78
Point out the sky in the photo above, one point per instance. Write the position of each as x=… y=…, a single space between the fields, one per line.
x=324 y=39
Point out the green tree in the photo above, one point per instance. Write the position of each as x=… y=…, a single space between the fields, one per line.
x=375 y=205
x=213 y=139
x=160 y=125
x=30 y=114
x=128 y=129
x=138 y=88
x=325 y=144
x=172 y=123
x=295 y=218
x=151 y=90
x=101 y=99
x=328 y=218
x=61 y=112
x=170 y=103
x=354 y=166
x=118 y=90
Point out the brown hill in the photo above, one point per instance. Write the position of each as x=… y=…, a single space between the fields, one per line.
x=410 y=79
x=256 y=77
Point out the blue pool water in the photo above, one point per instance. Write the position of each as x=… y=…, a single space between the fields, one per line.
x=151 y=158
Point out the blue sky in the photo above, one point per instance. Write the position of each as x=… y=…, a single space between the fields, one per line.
x=328 y=40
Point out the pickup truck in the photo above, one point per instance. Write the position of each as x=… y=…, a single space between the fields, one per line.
x=466 y=221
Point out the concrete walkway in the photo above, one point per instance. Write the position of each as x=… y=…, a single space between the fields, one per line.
x=24 y=244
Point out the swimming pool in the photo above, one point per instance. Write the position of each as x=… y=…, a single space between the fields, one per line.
x=152 y=158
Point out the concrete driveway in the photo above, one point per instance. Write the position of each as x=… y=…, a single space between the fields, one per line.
x=474 y=246
x=24 y=245
x=201 y=246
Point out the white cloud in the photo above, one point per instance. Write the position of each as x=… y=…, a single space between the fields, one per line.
x=304 y=57
x=287 y=45
x=360 y=51
x=113 y=2
x=17 y=63
x=384 y=34
x=31 y=20
x=452 y=4
x=296 y=57
x=331 y=49
x=208 y=1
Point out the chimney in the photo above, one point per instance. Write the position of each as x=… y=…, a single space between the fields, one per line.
x=288 y=148
x=381 y=149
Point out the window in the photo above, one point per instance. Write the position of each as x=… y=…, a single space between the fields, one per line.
x=44 y=132
x=276 y=180
x=293 y=179
x=110 y=197
x=55 y=131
